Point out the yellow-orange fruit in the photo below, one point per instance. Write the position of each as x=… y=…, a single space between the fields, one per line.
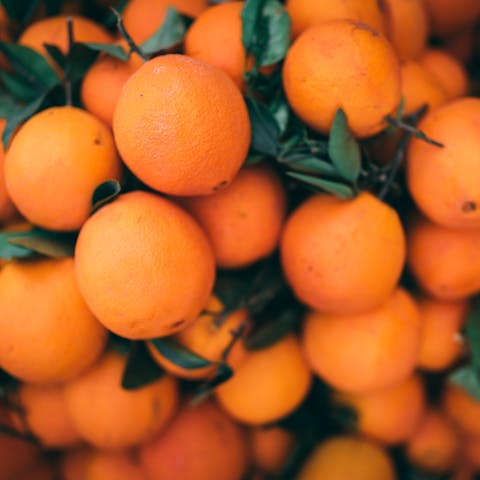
x=337 y=261
x=48 y=333
x=317 y=83
x=461 y=44
x=451 y=16
x=112 y=466
x=180 y=148
x=110 y=417
x=379 y=348
x=43 y=470
x=144 y=266
x=463 y=409
x=73 y=463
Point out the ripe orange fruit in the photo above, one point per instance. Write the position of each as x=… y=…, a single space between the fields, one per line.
x=451 y=16
x=43 y=341
x=408 y=27
x=144 y=266
x=201 y=443
x=317 y=83
x=420 y=87
x=391 y=415
x=45 y=415
x=449 y=71
x=442 y=325
x=73 y=463
x=244 y=220
x=110 y=417
x=462 y=44
x=444 y=182
x=54 y=163
x=206 y=338
x=142 y=18
x=268 y=384
x=307 y=13
x=445 y=262
x=337 y=261
x=43 y=470
x=112 y=466
x=435 y=445
x=463 y=409
x=179 y=148
x=379 y=348
x=471 y=453
x=347 y=458
x=7 y=208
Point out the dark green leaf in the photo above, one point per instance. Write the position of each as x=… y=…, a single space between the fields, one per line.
x=140 y=369
x=265 y=131
x=468 y=378
x=7 y=383
x=20 y=10
x=169 y=34
x=308 y=164
x=223 y=373
x=120 y=344
x=79 y=59
x=335 y=188
x=253 y=158
x=110 y=19
x=281 y=112
x=7 y=104
x=56 y=54
x=18 y=87
x=116 y=51
x=9 y=250
x=47 y=243
x=472 y=333
x=105 y=193
x=179 y=355
x=343 y=149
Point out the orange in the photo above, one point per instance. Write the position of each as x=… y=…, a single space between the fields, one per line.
x=7 y=208
x=45 y=415
x=420 y=87
x=445 y=182
x=142 y=18
x=461 y=44
x=442 y=325
x=73 y=463
x=268 y=384
x=451 y=16
x=435 y=445
x=408 y=27
x=270 y=448
x=112 y=466
x=48 y=333
x=244 y=220
x=449 y=71
x=43 y=470
x=179 y=148
x=54 y=163
x=144 y=266
x=347 y=458
x=207 y=338
x=444 y=262
x=317 y=83
x=201 y=443
x=471 y=453
x=463 y=409
x=307 y=13
x=53 y=30
x=362 y=353
x=391 y=415
x=110 y=417
x=343 y=256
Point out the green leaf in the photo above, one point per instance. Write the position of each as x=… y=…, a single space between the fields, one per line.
x=9 y=250
x=116 y=51
x=56 y=54
x=18 y=87
x=140 y=369
x=265 y=131
x=307 y=163
x=79 y=59
x=472 y=333
x=179 y=355
x=253 y=158
x=110 y=19
x=7 y=104
x=343 y=149
x=44 y=242
x=20 y=10
x=335 y=188
x=467 y=378
x=170 y=33
x=105 y=193
x=281 y=112
x=223 y=373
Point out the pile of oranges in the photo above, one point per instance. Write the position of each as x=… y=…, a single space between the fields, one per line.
x=240 y=240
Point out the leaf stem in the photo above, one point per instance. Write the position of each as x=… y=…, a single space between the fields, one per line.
x=133 y=46
x=68 y=81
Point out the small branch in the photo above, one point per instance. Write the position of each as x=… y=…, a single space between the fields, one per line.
x=236 y=335
x=133 y=46
x=68 y=81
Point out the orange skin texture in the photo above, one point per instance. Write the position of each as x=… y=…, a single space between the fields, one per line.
x=347 y=458
x=201 y=443
x=48 y=333
x=134 y=262
x=451 y=196
x=448 y=70
x=243 y=221
x=451 y=16
x=420 y=87
x=317 y=83
x=444 y=262
x=142 y=18
x=46 y=417
x=379 y=348
x=337 y=261
x=435 y=445
x=270 y=447
x=388 y=416
x=110 y=417
x=54 y=163
x=268 y=385
x=7 y=208
x=206 y=339
x=112 y=466
x=442 y=325
x=463 y=409
x=179 y=148
x=408 y=27
x=307 y=13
